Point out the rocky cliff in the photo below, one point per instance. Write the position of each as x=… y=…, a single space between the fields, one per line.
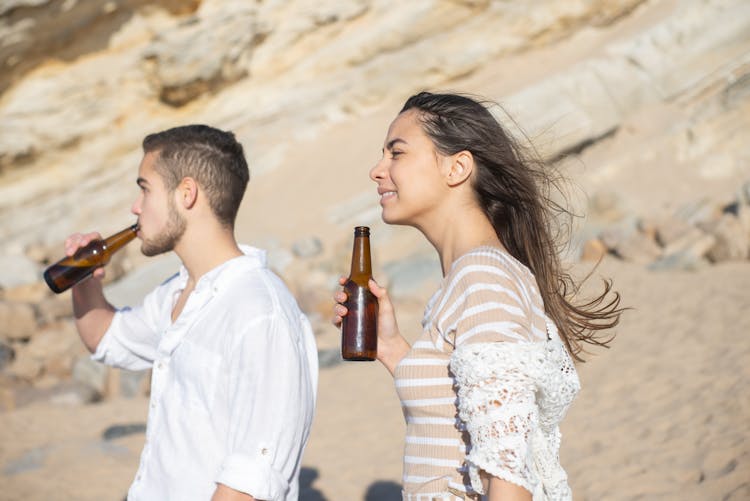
x=645 y=104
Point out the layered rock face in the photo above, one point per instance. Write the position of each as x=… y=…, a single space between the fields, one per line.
x=645 y=104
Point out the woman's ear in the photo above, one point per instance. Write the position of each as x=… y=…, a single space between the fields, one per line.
x=187 y=192
x=461 y=167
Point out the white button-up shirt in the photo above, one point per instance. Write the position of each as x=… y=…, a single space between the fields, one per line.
x=233 y=383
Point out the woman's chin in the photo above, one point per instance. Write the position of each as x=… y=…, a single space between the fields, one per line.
x=391 y=219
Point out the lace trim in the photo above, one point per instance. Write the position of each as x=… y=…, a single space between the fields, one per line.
x=511 y=397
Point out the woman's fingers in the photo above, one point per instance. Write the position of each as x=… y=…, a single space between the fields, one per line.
x=339 y=310
x=381 y=293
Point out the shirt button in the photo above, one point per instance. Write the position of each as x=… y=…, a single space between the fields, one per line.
x=160 y=365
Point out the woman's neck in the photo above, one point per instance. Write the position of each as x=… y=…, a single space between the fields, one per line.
x=458 y=232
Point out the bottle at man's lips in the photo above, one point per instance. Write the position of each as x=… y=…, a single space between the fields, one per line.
x=72 y=269
x=359 y=327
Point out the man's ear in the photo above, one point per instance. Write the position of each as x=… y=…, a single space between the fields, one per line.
x=187 y=192
x=461 y=167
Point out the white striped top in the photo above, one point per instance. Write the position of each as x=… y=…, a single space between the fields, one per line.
x=487 y=296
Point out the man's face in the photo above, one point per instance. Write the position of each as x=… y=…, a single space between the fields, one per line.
x=160 y=224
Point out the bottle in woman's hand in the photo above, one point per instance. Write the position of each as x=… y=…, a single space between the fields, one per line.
x=359 y=327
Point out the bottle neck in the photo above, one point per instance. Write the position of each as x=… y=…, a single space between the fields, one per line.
x=361 y=270
x=119 y=239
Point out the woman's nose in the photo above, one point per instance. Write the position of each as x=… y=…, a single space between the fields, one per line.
x=378 y=171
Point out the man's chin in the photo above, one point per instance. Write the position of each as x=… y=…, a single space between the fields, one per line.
x=153 y=251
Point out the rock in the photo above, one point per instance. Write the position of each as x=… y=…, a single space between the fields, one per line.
x=411 y=274
x=638 y=248
x=123 y=430
x=669 y=52
x=648 y=227
x=744 y=217
x=732 y=241
x=41 y=253
x=359 y=209
x=134 y=383
x=686 y=260
x=669 y=230
x=686 y=253
x=55 y=307
x=130 y=290
x=60 y=366
x=203 y=54
x=329 y=358
x=7 y=354
x=313 y=291
x=73 y=394
x=307 y=247
x=744 y=195
x=26 y=368
x=29 y=461
x=593 y=250
x=694 y=242
x=698 y=212
x=736 y=92
x=90 y=373
x=605 y=206
x=57 y=339
x=27 y=293
x=48 y=353
x=611 y=237
x=17 y=270
x=17 y=320
x=614 y=234
x=279 y=259
x=55 y=347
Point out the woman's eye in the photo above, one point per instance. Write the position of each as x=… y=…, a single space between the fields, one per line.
x=394 y=153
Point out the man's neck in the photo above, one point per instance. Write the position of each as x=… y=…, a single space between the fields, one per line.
x=204 y=249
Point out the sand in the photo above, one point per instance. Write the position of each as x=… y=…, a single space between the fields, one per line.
x=663 y=414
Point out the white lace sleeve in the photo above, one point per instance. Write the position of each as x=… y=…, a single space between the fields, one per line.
x=497 y=404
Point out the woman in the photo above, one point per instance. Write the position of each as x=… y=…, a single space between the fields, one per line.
x=491 y=376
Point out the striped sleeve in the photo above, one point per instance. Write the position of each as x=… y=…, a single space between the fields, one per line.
x=486 y=301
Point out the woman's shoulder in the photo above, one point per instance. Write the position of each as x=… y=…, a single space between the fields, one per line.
x=489 y=296
x=491 y=266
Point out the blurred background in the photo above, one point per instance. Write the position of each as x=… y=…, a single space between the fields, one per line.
x=643 y=105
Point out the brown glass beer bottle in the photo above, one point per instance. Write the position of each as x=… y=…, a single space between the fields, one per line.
x=72 y=269
x=359 y=328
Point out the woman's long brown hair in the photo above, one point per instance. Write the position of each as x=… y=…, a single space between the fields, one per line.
x=514 y=192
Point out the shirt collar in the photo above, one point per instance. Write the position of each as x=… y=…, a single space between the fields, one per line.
x=216 y=278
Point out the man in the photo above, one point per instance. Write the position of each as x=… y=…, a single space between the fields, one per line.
x=234 y=360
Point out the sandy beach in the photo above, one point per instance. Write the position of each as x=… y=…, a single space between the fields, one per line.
x=662 y=415
x=644 y=104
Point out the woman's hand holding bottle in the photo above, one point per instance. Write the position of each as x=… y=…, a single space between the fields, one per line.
x=392 y=346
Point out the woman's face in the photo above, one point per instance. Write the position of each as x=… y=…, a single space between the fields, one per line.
x=410 y=182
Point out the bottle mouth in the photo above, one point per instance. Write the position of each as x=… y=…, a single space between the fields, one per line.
x=136 y=226
x=361 y=230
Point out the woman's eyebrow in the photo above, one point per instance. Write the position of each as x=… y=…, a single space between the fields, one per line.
x=392 y=143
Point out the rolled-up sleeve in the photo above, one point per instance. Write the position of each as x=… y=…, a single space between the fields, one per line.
x=132 y=338
x=271 y=404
